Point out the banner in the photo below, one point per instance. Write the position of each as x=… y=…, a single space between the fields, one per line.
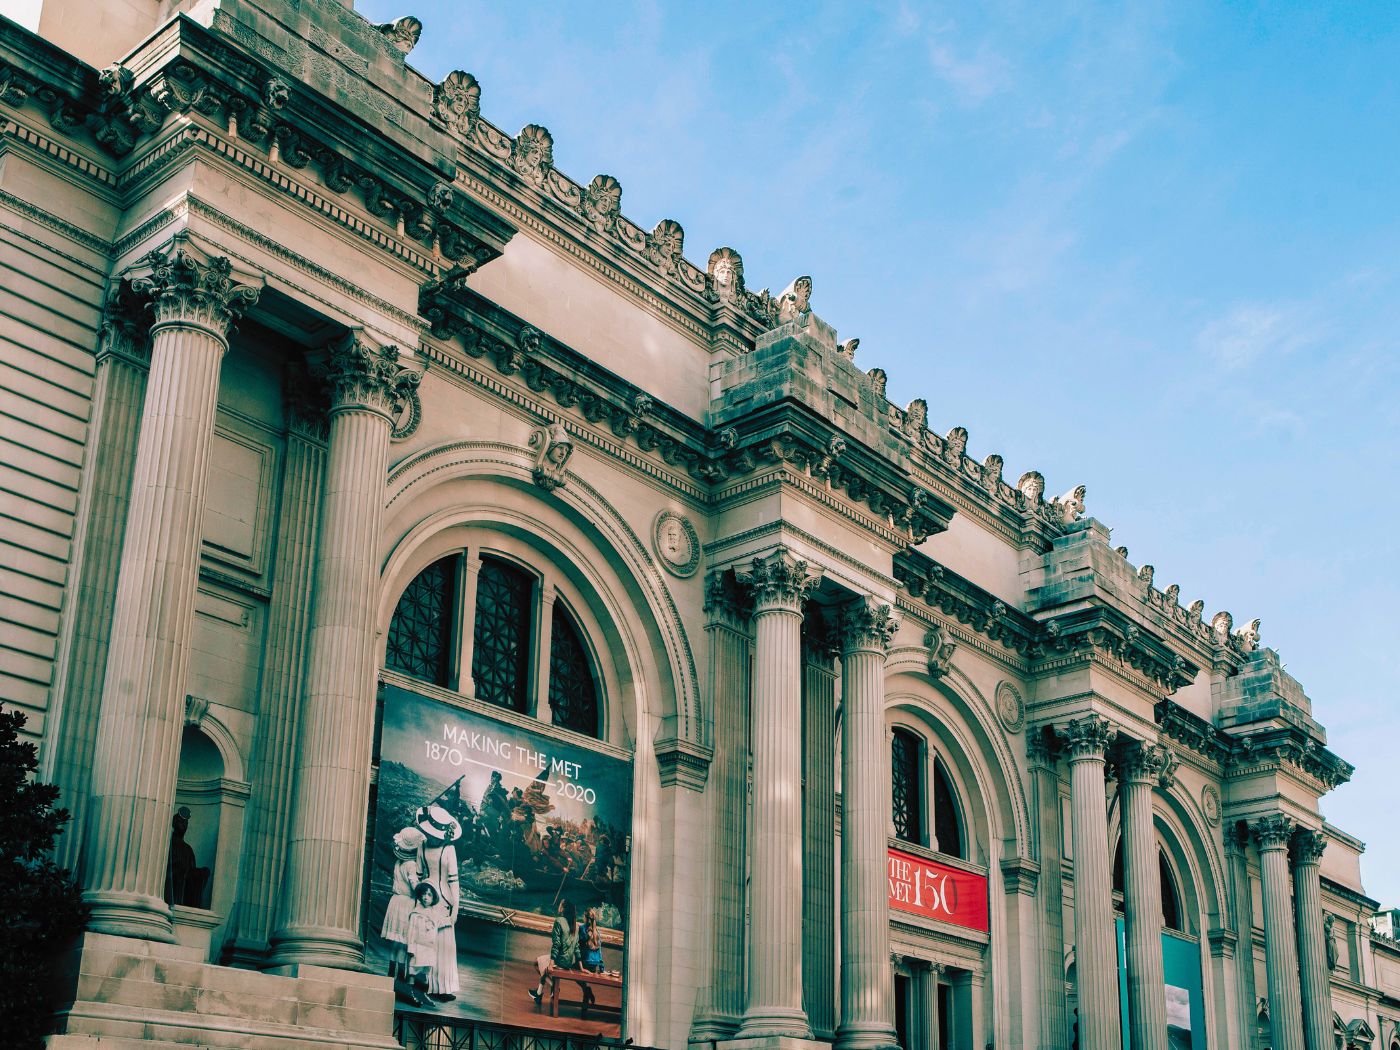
x=1186 y=1006
x=938 y=891
x=510 y=831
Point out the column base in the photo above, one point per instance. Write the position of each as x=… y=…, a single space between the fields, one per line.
x=711 y=1026
x=771 y=1042
x=132 y=995
x=315 y=946
x=867 y=1036
x=775 y=1022
x=123 y=914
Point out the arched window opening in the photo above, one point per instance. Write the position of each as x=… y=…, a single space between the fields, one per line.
x=1171 y=899
x=907 y=786
x=573 y=693
x=947 y=825
x=501 y=638
x=420 y=633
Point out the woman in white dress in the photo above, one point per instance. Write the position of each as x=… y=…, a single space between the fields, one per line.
x=440 y=830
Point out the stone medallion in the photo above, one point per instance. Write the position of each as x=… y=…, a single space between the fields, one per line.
x=1210 y=804
x=1011 y=709
x=676 y=543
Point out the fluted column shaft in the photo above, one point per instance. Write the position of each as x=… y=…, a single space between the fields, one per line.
x=265 y=849
x=1271 y=835
x=136 y=760
x=1308 y=847
x=819 y=833
x=866 y=979
x=1142 y=767
x=119 y=387
x=325 y=855
x=1096 y=954
x=780 y=583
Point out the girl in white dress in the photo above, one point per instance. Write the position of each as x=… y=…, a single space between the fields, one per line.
x=441 y=830
x=408 y=872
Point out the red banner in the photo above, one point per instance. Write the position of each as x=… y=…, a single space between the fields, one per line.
x=937 y=891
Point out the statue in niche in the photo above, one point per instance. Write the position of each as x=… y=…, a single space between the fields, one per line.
x=185 y=882
x=1329 y=940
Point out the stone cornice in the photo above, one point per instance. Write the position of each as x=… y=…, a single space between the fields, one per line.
x=955 y=596
x=1192 y=731
x=1104 y=630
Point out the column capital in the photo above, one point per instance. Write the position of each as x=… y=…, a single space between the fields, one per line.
x=1142 y=763
x=363 y=376
x=125 y=326
x=1087 y=738
x=1272 y=831
x=1308 y=846
x=186 y=287
x=780 y=581
x=727 y=600
x=867 y=625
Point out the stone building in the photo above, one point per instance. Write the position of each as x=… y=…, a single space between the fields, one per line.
x=328 y=406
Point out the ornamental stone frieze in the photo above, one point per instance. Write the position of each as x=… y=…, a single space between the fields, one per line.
x=867 y=624
x=780 y=580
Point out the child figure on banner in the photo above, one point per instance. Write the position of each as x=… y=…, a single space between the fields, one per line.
x=440 y=830
x=421 y=933
x=409 y=868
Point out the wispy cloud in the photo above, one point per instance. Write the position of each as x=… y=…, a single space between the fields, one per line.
x=974 y=76
x=1250 y=332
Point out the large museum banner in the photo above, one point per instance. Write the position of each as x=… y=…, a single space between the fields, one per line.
x=938 y=891
x=1184 y=990
x=495 y=850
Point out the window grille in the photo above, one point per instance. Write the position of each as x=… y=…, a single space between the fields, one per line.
x=501 y=638
x=573 y=695
x=420 y=633
x=906 y=785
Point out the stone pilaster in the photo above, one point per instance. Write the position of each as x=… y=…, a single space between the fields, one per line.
x=193 y=302
x=1236 y=854
x=119 y=387
x=1271 y=836
x=867 y=626
x=321 y=902
x=727 y=608
x=819 y=826
x=280 y=691
x=1141 y=768
x=928 y=1005
x=1042 y=748
x=1095 y=949
x=1308 y=847
x=780 y=584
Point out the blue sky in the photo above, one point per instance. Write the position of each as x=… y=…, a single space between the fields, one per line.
x=1151 y=249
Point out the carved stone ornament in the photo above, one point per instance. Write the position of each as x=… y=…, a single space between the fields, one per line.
x=532 y=153
x=359 y=375
x=196 y=707
x=187 y=288
x=1032 y=487
x=795 y=301
x=440 y=197
x=867 y=624
x=1195 y=612
x=724 y=276
x=457 y=101
x=941 y=648
x=552 y=447
x=1308 y=846
x=955 y=445
x=878 y=380
x=1272 y=832
x=780 y=580
x=915 y=420
x=1210 y=805
x=1087 y=737
x=1069 y=508
x=1146 y=573
x=602 y=203
x=406 y=425
x=1221 y=623
x=848 y=349
x=1146 y=763
x=1247 y=638
x=1011 y=709
x=403 y=33
x=676 y=543
x=664 y=245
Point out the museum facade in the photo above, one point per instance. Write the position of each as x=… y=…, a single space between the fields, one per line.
x=423 y=582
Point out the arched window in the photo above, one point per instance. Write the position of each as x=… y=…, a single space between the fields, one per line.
x=573 y=694
x=420 y=634
x=501 y=649
x=947 y=824
x=907 y=785
x=1171 y=895
x=486 y=613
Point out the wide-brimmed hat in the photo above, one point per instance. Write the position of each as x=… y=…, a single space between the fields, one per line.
x=407 y=841
x=438 y=824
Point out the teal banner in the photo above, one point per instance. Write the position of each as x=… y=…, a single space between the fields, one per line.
x=1186 y=1004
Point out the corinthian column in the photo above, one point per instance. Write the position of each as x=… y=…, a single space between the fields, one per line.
x=193 y=301
x=1271 y=835
x=780 y=582
x=1312 y=947
x=1142 y=767
x=866 y=979
x=1095 y=951
x=325 y=856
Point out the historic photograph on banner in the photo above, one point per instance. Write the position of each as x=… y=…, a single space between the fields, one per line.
x=498 y=870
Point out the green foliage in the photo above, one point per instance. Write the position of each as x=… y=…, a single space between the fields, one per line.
x=43 y=909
